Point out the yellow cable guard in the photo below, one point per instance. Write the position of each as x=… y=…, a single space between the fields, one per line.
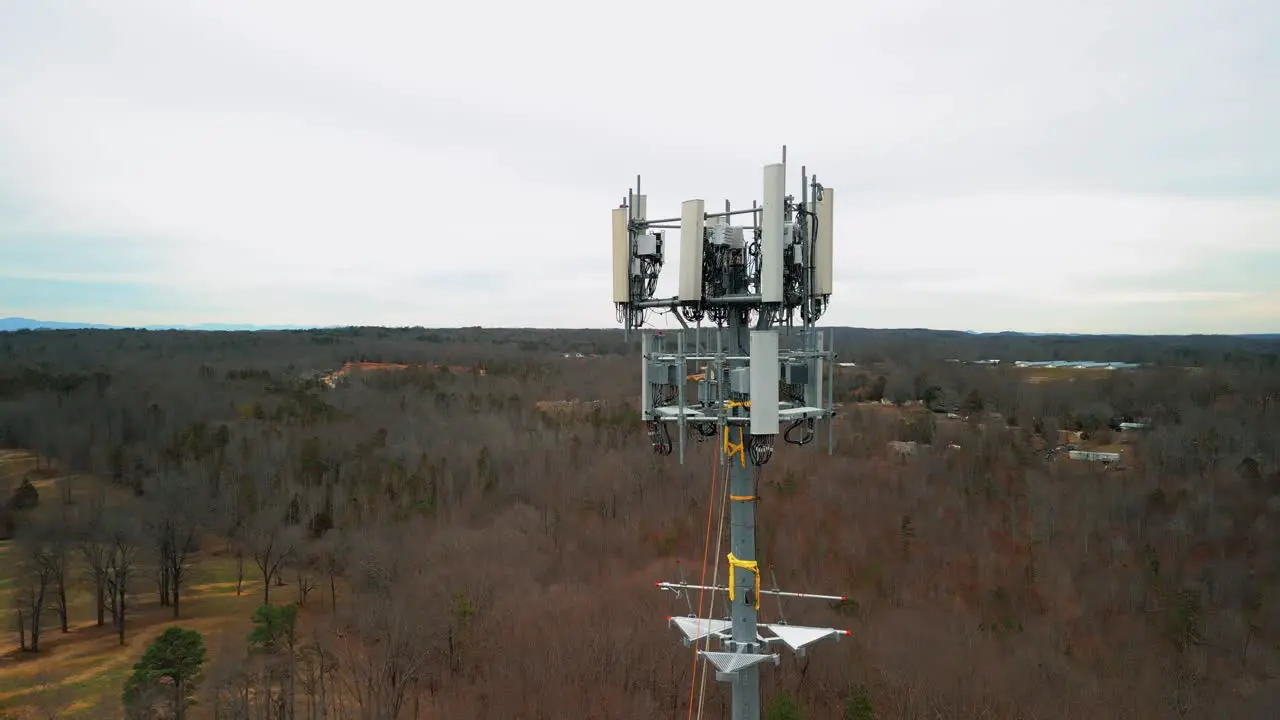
x=749 y=565
x=731 y=449
x=742 y=498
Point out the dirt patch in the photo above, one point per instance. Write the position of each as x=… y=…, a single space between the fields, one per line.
x=562 y=408
x=332 y=379
x=1041 y=375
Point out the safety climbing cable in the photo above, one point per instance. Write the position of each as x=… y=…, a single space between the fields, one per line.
x=715 y=575
x=706 y=546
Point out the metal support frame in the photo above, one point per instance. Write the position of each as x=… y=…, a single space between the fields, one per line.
x=703 y=355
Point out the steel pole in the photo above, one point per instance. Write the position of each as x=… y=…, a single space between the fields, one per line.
x=742 y=528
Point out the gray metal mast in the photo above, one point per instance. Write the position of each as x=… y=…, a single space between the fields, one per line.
x=748 y=385
x=742 y=540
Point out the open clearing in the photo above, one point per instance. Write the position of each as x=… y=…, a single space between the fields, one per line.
x=1040 y=375
x=81 y=674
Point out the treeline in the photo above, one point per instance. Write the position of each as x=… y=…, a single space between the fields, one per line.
x=448 y=532
x=916 y=346
x=1088 y=401
x=72 y=351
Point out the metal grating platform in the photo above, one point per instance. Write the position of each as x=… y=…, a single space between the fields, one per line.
x=733 y=662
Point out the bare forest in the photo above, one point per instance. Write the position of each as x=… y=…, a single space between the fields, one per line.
x=456 y=542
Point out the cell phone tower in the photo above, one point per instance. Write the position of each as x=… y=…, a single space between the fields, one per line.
x=752 y=370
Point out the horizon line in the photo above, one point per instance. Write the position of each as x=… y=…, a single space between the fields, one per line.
x=21 y=324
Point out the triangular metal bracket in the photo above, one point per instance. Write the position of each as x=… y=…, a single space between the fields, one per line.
x=695 y=629
x=797 y=637
x=730 y=663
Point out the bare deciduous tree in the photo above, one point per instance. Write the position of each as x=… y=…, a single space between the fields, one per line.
x=123 y=535
x=178 y=509
x=35 y=575
x=271 y=543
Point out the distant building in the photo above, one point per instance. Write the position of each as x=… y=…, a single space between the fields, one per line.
x=1091 y=456
x=1076 y=364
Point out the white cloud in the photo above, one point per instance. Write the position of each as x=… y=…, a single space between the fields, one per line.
x=998 y=165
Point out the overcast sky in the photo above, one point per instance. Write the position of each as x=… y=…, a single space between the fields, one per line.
x=1089 y=166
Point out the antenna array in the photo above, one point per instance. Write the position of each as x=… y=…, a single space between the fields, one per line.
x=736 y=382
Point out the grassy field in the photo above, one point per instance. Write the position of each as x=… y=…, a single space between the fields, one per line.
x=81 y=674
x=1039 y=375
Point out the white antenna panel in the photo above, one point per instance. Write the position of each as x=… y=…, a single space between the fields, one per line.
x=621 y=257
x=638 y=206
x=824 y=255
x=771 y=233
x=764 y=382
x=692 y=222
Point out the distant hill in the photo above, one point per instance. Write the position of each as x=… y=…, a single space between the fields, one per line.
x=16 y=323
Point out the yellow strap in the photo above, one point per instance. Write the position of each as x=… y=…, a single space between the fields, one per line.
x=748 y=565
x=742 y=498
x=737 y=403
x=731 y=449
